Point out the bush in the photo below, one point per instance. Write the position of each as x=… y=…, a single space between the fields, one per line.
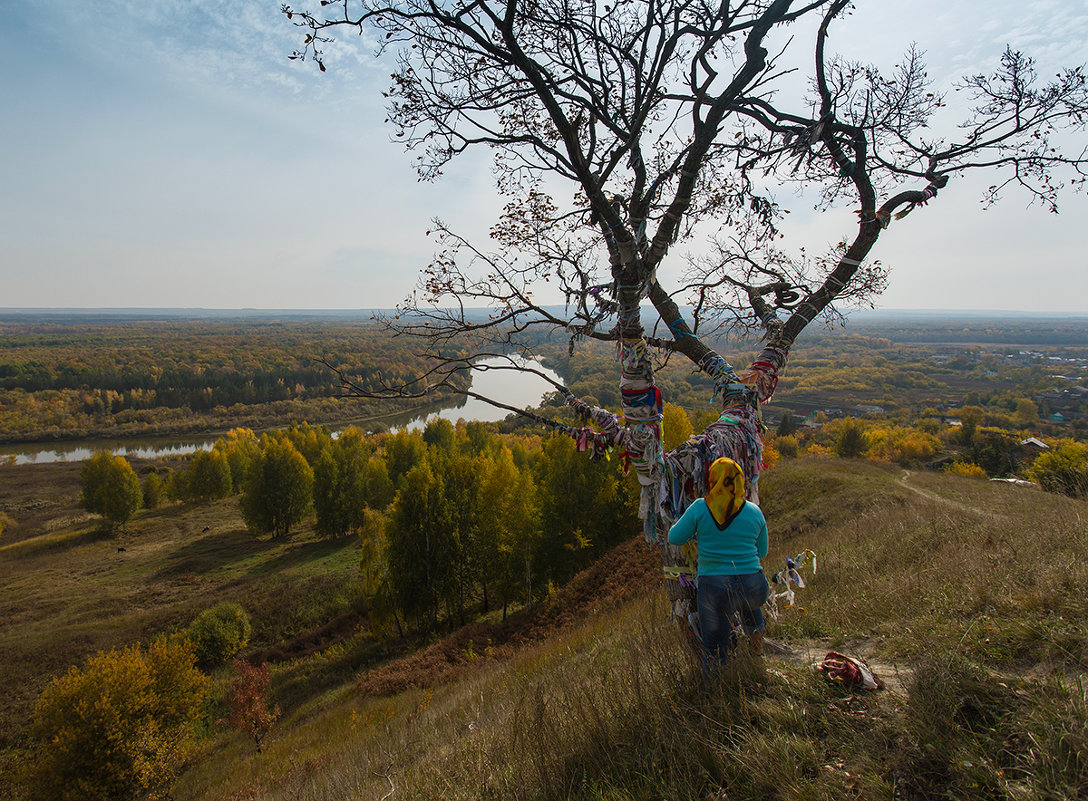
x=770 y=453
x=251 y=710
x=787 y=446
x=968 y=469
x=117 y=728
x=1063 y=469
x=219 y=633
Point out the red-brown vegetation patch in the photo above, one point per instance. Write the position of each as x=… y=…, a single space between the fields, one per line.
x=618 y=576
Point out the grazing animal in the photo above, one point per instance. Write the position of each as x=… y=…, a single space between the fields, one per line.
x=205 y=529
x=121 y=549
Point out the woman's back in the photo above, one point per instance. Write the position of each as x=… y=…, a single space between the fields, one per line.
x=730 y=550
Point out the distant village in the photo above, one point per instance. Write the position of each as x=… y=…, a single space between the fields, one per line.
x=1066 y=401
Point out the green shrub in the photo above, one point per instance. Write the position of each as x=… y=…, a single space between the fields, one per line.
x=219 y=633
x=109 y=487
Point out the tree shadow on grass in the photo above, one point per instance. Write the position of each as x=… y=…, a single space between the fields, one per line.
x=47 y=543
x=297 y=554
x=213 y=551
x=304 y=680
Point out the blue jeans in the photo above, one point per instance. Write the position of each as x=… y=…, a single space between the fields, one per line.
x=719 y=599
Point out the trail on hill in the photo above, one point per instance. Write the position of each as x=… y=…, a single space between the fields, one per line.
x=932 y=496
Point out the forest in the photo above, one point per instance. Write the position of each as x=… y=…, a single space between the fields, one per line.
x=74 y=378
x=113 y=377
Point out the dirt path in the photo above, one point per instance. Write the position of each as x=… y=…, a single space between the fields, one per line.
x=932 y=496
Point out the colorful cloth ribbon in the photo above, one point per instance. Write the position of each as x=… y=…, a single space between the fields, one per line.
x=849 y=670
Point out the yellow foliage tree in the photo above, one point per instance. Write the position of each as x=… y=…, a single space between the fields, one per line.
x=117 y=728
x=242 y=449
x=900 y=444
x=969 y=469
x=675 y=426
x=109 y=487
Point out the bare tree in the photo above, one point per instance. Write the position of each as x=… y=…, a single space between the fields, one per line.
x=623 y=128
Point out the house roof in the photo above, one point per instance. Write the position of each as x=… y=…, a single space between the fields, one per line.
x=1038 y=443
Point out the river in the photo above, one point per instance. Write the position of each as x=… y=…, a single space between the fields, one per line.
x=509 y=386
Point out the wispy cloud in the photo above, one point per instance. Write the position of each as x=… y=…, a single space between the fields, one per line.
x=167 y=152
x=240 y=45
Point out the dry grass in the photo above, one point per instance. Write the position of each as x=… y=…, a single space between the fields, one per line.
x=984 y=566
x=969 y=588
x=948 y=584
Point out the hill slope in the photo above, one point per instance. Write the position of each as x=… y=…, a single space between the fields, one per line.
x=969 y=588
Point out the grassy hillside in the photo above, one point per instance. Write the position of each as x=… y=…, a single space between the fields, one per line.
x=964 y=595
x=959 y=591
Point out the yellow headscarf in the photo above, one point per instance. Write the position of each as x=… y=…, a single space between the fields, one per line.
x=725 y=495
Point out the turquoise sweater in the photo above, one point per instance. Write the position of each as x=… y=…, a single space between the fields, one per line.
x=733 y=551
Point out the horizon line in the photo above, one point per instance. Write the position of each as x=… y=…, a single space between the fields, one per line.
x=372 y=310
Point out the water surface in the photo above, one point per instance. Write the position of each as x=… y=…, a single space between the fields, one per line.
x=511 y=387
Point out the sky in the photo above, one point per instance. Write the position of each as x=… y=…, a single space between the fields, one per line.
x=166 y=153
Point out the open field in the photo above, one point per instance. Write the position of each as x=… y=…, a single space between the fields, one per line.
x=959 y=591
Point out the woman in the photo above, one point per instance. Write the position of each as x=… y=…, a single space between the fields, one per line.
x=732 y=537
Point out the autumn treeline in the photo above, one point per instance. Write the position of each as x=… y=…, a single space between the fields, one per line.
x=454 y=521
x=122 y=378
